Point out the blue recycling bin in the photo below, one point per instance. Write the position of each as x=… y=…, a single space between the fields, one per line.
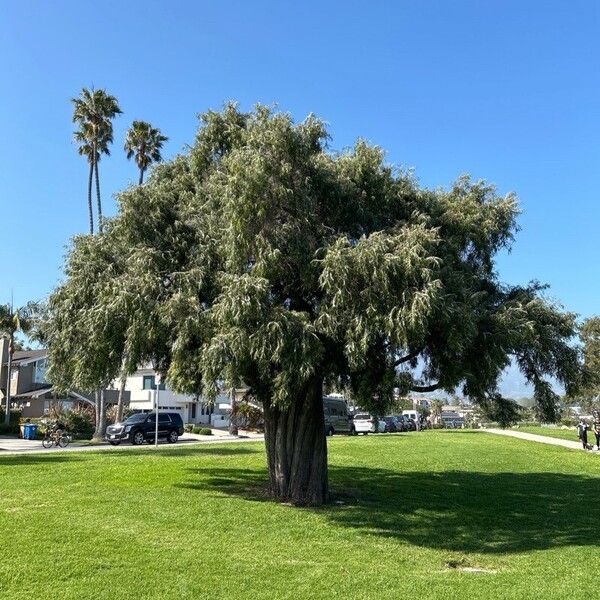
x=29 y=431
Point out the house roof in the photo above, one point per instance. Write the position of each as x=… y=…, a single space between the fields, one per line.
x=34 y=393
x=23 y=357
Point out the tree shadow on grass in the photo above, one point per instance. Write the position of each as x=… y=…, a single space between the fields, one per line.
x=457 y=510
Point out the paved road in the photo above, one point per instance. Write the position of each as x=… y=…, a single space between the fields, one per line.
x=532 y=437
x=10 y=445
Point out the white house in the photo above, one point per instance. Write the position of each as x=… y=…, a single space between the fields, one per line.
x=193 y=409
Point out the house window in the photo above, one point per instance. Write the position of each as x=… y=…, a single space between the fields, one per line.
x=39 y=372
x=149 y=383
x=193 y=410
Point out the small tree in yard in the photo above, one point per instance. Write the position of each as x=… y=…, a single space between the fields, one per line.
x=261 y=257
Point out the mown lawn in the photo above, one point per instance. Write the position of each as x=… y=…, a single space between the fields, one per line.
x=411 y=513
x=555 y=432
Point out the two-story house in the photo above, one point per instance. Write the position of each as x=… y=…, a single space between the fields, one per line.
x=141 y=386
x=30 y=391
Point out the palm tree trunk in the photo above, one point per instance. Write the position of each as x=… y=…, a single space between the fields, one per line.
x=90 y=209
x=141 y=176
x=98 y=197
x=8 y=381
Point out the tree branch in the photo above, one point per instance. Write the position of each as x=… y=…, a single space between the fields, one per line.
x=408 y=357
x=425 y=388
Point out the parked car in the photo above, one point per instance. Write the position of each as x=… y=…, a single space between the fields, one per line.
x=364 y=423
x=401 y=424
x=392 y=425
x=337 y=418
x=141 y=427
x=409 y=423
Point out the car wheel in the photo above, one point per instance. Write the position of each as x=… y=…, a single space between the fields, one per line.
x=137 y=438
x=173 y=437
x=114 y=443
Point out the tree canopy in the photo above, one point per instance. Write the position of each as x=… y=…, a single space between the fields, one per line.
x=260 y=256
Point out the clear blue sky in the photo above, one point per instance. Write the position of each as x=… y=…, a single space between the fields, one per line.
x=507 y=91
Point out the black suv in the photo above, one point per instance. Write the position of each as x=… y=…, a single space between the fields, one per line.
x=141 y=427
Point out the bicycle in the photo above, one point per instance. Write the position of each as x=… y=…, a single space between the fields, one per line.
x=56 y=438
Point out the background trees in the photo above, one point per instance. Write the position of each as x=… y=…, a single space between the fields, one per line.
x=12 y=322
x=261 y=257
x=144 y=143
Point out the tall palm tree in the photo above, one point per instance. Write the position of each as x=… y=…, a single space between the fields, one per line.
x=93 y=112
x=12 y=322
x=145 y=143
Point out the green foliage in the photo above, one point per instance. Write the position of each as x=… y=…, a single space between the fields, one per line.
x=261 y=257
x=202 y=430
x=503 y=411
x=12 y=427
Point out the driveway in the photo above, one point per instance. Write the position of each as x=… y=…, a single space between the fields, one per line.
x=11 y=445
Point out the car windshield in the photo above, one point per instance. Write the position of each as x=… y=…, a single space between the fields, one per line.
x=362 y=417
x=138 y=418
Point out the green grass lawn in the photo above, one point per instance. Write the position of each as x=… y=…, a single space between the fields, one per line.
x=555 y=432
x=411 y=512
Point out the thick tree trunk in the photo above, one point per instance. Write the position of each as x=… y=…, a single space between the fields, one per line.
x=297 y=448
x=98 y=197
x=90 y=208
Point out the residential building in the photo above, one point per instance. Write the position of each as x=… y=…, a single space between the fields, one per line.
x=30 y=391
x=141 y=386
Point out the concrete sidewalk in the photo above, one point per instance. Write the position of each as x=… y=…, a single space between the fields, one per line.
x=11 y=445
x=532 y=437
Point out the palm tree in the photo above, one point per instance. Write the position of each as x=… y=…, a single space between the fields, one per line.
x=13 y=322
x=144 y=142
x=93 y=112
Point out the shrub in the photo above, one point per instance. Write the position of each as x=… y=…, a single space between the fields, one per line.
x=248 y=416
x=188 y=427
x=13 y=427
x=9 y=429
x=202 y=430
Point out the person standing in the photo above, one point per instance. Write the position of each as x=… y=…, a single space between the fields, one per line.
x=597 y=431
x=582 y=429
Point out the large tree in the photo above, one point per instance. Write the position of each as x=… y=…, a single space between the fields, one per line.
x=590 y=337
x=144 y=143
x=93 y=112
x=261 y=257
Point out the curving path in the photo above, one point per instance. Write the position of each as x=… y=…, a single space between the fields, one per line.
x=532 y=437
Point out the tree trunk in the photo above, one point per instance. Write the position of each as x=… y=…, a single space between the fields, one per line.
x=141 y=176
x=100 y=417
x=8 y=380
x=98 y=197
x=233 y=428
x=120 y=398
x=297 y=448
x=90 y=209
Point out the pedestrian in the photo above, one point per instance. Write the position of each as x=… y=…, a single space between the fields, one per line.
x=582 y=429
x=597 y=431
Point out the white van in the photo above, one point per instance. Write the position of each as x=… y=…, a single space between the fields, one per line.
x=337 y=419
